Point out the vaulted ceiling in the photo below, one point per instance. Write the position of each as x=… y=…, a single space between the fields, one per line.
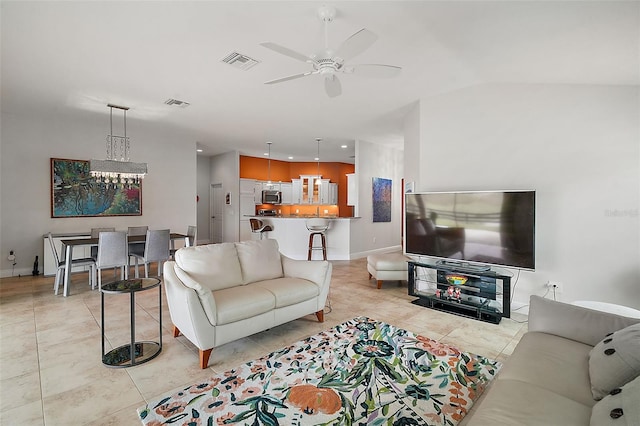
x=77 y=56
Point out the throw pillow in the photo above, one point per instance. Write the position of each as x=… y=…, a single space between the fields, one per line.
x=619 y=408
x=615 y=361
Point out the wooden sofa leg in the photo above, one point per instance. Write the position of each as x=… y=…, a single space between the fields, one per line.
x=204 y=357
x=176 y=332
x=379 y=284
x=320 y=315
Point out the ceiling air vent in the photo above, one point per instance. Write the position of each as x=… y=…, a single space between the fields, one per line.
x=176 y=102
x=240 y=61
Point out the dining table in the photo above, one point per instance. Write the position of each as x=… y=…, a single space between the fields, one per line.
x=83 y=242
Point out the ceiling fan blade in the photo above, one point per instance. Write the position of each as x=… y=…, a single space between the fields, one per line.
x=291 y=77
x=356 y=44
x=332 y=86
x=374 y=70
x=287 y=52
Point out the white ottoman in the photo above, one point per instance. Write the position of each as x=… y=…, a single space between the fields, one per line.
x=388 y=266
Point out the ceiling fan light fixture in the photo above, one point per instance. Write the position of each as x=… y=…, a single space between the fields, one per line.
x=329 y=62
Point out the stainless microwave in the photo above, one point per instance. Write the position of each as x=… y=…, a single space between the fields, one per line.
x=271 y=197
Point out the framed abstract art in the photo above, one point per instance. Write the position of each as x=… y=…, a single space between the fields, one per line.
x=75 y=193
x=381 y=191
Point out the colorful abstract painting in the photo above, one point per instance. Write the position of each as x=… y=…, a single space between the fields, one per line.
x=74 y=193
x=381 y=200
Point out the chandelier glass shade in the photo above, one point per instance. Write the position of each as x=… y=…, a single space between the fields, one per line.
x=117 y=169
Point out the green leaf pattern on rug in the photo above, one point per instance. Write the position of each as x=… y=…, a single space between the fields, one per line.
x=360 y=372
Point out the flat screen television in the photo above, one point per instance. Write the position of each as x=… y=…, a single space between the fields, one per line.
x=480 y=227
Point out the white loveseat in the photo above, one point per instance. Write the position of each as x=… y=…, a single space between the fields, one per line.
x=218 y=293
x=551 y=376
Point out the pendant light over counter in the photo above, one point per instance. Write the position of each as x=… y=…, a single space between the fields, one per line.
x=318 y=181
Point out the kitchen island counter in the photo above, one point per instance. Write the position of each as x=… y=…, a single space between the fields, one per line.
x=293 y=236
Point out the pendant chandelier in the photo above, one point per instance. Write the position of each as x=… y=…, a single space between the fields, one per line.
x=117 y=169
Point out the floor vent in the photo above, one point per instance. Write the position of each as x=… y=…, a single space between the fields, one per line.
x=176 y=102
x=240 y=61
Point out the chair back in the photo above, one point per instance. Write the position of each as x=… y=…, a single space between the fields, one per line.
x=137 y=230
x=191 y=236
x=317 y=224
x=53 y=249
x=156 y=247
x=256 y=224
x=95 y=232
x=112 y=249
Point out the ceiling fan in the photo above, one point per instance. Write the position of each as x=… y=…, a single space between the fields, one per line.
x=330 y=63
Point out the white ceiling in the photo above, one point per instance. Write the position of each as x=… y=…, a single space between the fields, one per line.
x=79 y=56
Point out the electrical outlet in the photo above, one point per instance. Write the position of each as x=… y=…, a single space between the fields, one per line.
x=11 y=256
x=555 y=286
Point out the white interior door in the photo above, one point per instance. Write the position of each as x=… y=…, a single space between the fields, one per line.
x=217 y=209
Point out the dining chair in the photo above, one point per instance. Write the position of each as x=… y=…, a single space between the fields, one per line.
x=61 y=265
x=112 y=253
x=156 y=249
x=137 y=230
x=137 y=248
x=95 y=233
x=190 y=241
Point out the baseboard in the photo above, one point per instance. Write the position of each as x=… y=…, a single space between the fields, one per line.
x=362 y=254
x=5 y=273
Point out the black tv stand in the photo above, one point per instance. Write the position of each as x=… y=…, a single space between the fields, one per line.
x=463 y=266
x=485 y=296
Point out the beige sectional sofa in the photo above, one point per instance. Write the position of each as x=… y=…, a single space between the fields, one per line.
x=554 y=371
x=218 y=293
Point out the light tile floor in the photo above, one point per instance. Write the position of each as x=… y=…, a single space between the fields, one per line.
x=50 y=368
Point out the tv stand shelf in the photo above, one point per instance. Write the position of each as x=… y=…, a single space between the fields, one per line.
x=485 y=296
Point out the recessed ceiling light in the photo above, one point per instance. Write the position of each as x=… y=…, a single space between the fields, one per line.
x=290 y=158
x=199 y=150
x=343 y=146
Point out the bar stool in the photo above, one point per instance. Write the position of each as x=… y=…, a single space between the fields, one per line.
x=317 y=226
x=258 y=227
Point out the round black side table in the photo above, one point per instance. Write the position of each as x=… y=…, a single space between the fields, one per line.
x=133 y=353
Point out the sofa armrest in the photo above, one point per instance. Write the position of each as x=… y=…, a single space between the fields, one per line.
x=186 y=310
x=583 y=325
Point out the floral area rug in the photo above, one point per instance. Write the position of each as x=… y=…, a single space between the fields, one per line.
x=360 y=372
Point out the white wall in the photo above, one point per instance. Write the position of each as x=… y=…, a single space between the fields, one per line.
x=203 y=193
x=374 y=160
x=28 y=143
x=577 y=146
x=225 y=169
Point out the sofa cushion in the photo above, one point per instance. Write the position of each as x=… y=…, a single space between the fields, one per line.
x=553 y=363
x=303 y=269
x=241 y=302
x=259 y=260
x=620 y=407
x=214 y=266
x=513 y=402
x=615 y=361
x=289 y=291
x=561 y=319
